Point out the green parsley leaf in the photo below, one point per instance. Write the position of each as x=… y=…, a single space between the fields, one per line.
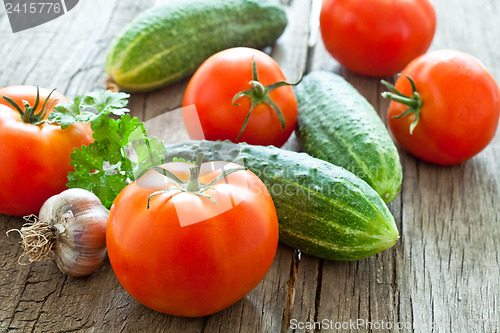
x=114 y=134
x=121 y=151
x=150 y=152
x=87 y=108
x=92 y=174
x=103 y=167
x=105 y=101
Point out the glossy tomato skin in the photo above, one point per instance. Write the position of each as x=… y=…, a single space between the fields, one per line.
x=186 y=255
x=460 y=110
x=34 y=158
x=218 y=80
x=377 y=37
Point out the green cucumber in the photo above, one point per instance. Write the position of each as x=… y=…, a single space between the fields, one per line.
x=167 y=43
x=323 y=210
x=337 y=124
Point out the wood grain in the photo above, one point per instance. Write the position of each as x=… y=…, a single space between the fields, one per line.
x=442 y=276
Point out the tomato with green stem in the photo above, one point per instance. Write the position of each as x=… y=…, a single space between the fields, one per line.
x=26 y=97
x=240 y=94
x=191 y=240
x=444 y=107
x=377 y=37
x=35 y=155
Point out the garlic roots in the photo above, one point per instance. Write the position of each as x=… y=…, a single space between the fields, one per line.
x=71 y=230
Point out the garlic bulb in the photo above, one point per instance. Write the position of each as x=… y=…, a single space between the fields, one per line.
x=70 y=229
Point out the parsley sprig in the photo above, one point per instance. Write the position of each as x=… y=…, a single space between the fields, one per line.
x=104 y=167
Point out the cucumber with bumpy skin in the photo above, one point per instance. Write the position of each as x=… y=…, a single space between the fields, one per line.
x=167 y=43
x=337 y=124
x=323 y=210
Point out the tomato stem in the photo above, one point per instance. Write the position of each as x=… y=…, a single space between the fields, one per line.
x=413 y=102
x=193 y=184
x=259 y=94
x=29 y=114
x=258 y=89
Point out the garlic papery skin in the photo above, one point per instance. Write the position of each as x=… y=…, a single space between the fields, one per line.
x=78 y=221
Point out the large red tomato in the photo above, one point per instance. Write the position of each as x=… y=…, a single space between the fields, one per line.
x=194 y=251
x=452 y=111
x=214 y=86
x=377 y=37
x=34 y=155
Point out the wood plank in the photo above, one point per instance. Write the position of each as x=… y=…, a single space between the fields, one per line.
x=451 y=230
x=264 y=308
x=59 y=305
x=448 y=253
x=340 y=291
x=67 y=53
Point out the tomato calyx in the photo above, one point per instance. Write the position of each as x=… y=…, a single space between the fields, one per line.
x=29 y=114
x=259 y=94
x=413 y=102
x=193 y=184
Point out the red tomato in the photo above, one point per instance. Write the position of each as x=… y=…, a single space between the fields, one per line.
x=460 y=107
x=187 y=255
x=377 y=37
x=34 y=158
x=215 y=84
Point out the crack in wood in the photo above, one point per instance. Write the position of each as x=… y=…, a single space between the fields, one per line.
x=204 y=325
x=317 y=298
x=290 y=297
x=15 y=310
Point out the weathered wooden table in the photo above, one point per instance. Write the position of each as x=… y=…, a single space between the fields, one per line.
x=442 y=276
